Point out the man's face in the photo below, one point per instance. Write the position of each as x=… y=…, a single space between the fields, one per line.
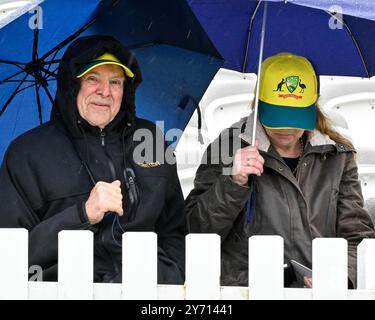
x=99 y=98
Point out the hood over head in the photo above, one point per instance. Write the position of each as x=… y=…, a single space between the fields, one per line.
x=80 y=53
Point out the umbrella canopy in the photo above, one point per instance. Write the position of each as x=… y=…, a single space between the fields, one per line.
x=339 y=44
x=176 y=57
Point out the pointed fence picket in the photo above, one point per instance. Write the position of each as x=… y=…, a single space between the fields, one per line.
x=75 y=278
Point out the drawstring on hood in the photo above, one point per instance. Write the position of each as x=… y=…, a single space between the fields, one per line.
x=129 y=177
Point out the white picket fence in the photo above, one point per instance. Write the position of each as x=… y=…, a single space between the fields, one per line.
x=202 y=270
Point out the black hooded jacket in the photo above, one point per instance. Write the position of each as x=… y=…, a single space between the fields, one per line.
x=48 y=173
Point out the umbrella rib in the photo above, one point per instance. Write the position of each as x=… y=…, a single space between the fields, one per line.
x=49 y=95
x=246 y=52
x=38 y=102
x=78 y=32
x=8 y=81
x=354 y=41
x=50 y=73
x=12 y=62
x=54 y=72
x=12 y=96
x=24 y=88
x=35 y=44
x=10 y=77
x=46 y=76
x=51 y=61
x=23 y=69
x=32 y=85
x=16 y=64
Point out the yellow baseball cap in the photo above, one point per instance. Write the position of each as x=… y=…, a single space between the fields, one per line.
x=107 y=58
x=288 y=92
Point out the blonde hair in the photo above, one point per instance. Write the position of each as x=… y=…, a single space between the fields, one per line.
x=324 y=125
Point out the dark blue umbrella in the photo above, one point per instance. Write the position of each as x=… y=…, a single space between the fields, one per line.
x=336 y=44
x=176 y=57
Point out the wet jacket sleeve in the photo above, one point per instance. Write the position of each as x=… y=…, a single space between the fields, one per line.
x=171 y=229
x=18 y=211
x=353 y=221
x=216 y=200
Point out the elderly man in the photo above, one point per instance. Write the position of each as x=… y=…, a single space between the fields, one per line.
x=79 y=171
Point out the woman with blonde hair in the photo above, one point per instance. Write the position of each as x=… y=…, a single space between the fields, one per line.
x=299 y=181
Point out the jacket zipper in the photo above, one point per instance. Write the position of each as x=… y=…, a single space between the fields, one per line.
x=102 y=137
x=110 y=162
x=113 y=174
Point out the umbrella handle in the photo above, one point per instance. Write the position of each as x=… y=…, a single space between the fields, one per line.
x=259 y=70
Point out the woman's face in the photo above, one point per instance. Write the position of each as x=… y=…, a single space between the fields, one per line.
x=284 y=138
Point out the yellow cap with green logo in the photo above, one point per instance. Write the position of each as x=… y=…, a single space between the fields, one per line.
x=106 y=58
x=288 y=92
